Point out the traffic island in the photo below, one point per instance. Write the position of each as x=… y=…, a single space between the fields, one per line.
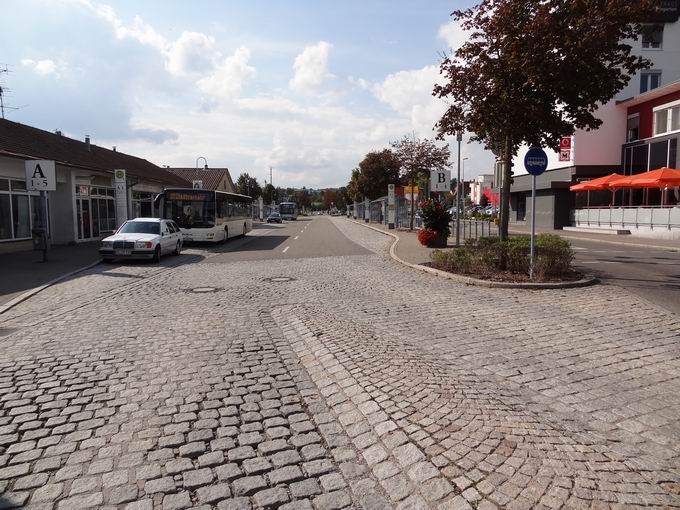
x=408 y=251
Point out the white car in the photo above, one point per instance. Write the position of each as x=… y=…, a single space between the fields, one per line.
x=143 y=238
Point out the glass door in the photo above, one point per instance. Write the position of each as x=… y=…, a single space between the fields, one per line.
x=83 y=212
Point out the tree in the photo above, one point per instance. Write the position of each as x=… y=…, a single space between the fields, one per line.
x=247 y=185
x=301 y=198
x=270 y=194
x=374 y=173
x=417 y=158
x=535 y=70
x=483 y=200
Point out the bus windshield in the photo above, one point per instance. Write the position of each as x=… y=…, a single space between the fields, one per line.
x=287 y=208
x=191 y=208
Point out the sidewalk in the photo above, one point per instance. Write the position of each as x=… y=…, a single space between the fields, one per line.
x=24 y=270
x=604 y=238
x=410 y=250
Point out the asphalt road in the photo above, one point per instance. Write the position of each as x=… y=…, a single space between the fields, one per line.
x=652 y=274
x=304 y=238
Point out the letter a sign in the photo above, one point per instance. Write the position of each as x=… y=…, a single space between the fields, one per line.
x=40 y=175
x=440 y=180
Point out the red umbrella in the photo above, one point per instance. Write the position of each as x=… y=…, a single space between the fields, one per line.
x=606 y=182
x=598 y=184
x=660 y=178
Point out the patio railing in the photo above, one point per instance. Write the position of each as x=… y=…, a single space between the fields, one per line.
x=622 y=217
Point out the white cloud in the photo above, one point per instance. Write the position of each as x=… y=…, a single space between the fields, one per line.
x=44 y=67
x=228 y=77
x=192 y=53
x=410 y=94
x=453 y=34
x=311 y=68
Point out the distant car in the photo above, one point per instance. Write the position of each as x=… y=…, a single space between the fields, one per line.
x=143 y=238
x=274 y=217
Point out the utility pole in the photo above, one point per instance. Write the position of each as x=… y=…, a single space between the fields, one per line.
x=2 y=93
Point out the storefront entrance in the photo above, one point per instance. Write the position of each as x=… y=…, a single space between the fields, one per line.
x=95 y=212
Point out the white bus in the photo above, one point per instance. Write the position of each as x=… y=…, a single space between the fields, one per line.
x=288 y=210
x=204 y=215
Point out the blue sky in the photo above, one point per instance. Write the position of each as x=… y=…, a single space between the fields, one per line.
x=306 y=87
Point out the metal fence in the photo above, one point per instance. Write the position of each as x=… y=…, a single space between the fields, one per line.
x=474 y=229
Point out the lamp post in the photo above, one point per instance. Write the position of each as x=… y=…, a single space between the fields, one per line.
x=463 y=180
x=459 y=139
x=196 y=171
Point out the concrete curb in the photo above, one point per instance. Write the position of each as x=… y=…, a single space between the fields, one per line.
x=30 y=293
x=467 y=280
x=607 y=241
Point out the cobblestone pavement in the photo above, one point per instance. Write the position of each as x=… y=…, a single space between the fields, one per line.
x=334 y=382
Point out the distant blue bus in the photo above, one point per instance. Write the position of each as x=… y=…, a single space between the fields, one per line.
x=288 y=210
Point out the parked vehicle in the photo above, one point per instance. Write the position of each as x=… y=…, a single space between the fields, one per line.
x=274 y=217
x=143 y=238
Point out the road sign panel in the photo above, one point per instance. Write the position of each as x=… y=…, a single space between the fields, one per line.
x=565 y=155
x=40 y=175
x=440 y=180
x=565 y=142
x=536 y=161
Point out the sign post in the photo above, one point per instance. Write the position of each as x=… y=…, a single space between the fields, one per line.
x=120 y=183
x=41 y=176
x=535 y=162
x=390 y=206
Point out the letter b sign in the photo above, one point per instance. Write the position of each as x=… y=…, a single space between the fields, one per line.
x=440 y=180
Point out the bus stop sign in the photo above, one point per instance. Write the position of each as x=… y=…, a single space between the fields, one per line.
x=536 y=161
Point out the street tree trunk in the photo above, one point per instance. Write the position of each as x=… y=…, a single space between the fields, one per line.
x=505 y=190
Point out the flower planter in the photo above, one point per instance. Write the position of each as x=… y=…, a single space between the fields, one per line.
x=438 y=242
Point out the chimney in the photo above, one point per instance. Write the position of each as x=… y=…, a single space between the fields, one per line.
x=87 y=141
x=57 y=132
x=114 y=148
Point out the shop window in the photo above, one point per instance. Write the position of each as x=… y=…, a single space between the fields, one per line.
x=5 y=218
x=649 y=80
x=15 y=209
x=652 y=36
x=633 y=128
x=21 y=216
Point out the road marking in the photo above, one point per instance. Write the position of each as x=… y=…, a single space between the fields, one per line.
x=295 y=237
x=286 y=249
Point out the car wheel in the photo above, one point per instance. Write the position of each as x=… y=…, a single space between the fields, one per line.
x=178 y=248
x=157 y=255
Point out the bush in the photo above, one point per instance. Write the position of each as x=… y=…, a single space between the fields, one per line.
x=435 y=216
x=488 y=256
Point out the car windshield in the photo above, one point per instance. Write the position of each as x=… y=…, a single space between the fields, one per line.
x=140 y=227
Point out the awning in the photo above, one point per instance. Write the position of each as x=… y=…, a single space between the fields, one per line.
x=601 y=183
x=660 y=178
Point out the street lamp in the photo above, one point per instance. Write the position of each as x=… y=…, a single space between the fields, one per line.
x=196 y=171
x=463 y=180
x=459 y=139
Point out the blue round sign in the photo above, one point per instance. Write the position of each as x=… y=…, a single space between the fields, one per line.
x=536 y=161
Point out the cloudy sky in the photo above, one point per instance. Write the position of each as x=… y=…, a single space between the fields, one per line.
x=306 y=87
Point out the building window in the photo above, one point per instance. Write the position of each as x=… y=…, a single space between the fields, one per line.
x=652 y=36
x=667 y=118
x=15 y=210
x=633 y=128
x=649 y=81
x=142 y=204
